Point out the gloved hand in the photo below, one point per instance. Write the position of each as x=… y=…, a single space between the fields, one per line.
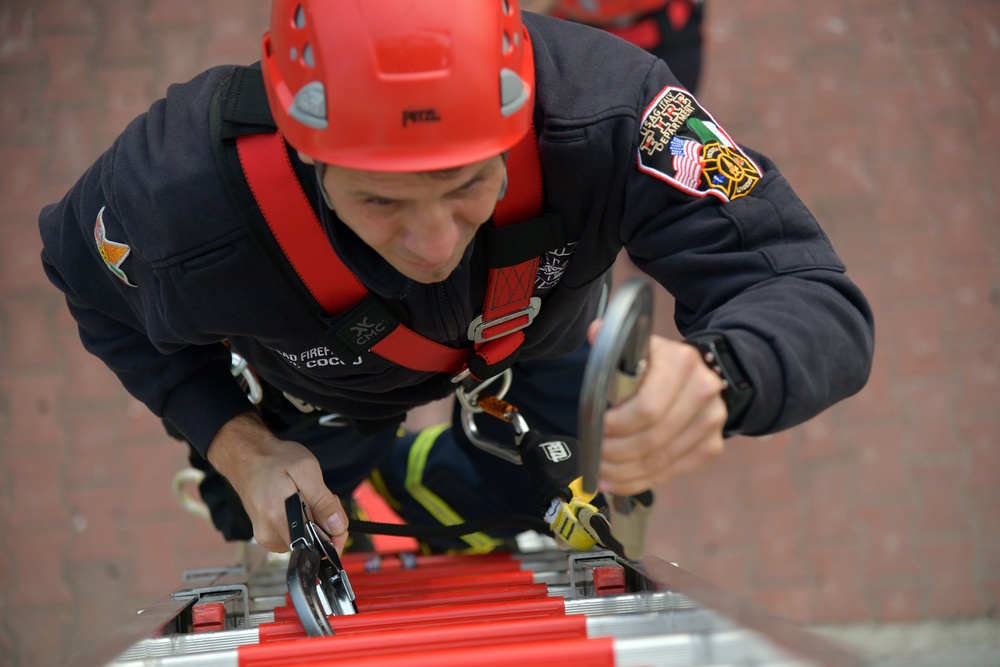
x=554 y=465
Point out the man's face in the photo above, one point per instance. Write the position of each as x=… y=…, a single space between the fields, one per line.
x=421 y=223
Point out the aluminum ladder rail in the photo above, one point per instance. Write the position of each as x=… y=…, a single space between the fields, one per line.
x=535 y=606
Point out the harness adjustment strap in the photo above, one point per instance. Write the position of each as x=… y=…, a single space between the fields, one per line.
x=510 y=288
x=516 y=243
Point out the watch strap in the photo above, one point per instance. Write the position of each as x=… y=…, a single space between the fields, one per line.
x=739 y=392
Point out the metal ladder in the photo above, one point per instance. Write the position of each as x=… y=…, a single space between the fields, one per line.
x=533 y=606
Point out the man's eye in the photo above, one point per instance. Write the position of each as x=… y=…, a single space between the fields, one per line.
x=470 y=185
x=379 y=201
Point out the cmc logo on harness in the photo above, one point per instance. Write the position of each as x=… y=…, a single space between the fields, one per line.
x=361 y=328
x=366 y=330
x=420 y=116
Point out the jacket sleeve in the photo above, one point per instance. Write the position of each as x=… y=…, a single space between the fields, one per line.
x=759 y=270
x=119 y=316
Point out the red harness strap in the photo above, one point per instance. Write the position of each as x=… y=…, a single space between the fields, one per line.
x=299 y=233
x=509 y=289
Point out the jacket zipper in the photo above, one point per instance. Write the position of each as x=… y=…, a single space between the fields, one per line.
x=449 y=320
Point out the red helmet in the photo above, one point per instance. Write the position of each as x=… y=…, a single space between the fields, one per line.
x=398 y=85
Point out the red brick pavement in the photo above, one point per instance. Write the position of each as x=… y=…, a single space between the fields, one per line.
x=883 y=113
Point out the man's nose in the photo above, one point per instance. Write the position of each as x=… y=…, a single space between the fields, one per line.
x=433 y=233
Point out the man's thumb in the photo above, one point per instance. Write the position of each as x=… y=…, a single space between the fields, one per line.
x=326 y=509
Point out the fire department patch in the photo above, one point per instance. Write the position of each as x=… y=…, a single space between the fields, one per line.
x=681 y=144
x=113 y=254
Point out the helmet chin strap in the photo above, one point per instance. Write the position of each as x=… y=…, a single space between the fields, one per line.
x=320 y=169
x=503 y=187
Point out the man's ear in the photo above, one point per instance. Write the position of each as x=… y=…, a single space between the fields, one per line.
x=305 y=158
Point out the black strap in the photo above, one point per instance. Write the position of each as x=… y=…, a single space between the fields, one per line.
x=245 y=109
x=522 y=521
x=513 y=244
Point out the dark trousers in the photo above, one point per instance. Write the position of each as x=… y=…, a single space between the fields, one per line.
x=433 y=477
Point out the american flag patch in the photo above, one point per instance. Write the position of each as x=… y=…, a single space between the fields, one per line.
x=687 y=161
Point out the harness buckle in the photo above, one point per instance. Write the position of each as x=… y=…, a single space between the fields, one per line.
x=481 y=332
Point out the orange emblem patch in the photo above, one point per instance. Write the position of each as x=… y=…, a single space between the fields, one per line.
x=113 y=253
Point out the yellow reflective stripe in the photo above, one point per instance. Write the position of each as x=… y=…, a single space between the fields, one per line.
x=379 y=485
x=430 y=501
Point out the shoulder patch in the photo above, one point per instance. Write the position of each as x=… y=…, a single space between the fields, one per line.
x=113 y=254
x=682 y=144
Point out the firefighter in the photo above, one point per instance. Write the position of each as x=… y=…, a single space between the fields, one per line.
x=669 y=29
x=447 y=190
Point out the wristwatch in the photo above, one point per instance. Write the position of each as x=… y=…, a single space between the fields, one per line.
x=738 y=393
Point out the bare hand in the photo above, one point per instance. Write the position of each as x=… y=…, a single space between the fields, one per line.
x=264 y=470
x=671 y=426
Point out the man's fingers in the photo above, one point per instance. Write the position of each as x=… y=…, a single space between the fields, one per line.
x=272 y=542
x=331 y=516
x=267 y=513
x=663 y=434
x=627 y=467
x=327 y=511
x=675 y=384
x=339 y=542
x=687 y=397
x=271 y=529
x=644 y=473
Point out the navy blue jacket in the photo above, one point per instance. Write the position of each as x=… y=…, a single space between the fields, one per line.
x=753 y=265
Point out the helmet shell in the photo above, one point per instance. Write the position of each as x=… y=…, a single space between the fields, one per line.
x=399 y=85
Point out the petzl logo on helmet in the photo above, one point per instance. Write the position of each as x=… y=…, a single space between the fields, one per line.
x=113 y=254
x=420 y=116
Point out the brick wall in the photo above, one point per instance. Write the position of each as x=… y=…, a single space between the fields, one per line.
x=882 y=113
